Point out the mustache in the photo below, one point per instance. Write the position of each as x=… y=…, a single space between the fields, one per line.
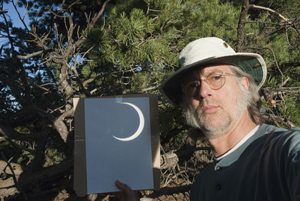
x=204 y=104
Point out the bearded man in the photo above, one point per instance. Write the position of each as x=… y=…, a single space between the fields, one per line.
x=218 y=89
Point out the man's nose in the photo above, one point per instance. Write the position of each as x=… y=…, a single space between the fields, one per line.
x=204 y=89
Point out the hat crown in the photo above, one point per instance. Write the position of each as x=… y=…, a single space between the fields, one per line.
x=202 y=49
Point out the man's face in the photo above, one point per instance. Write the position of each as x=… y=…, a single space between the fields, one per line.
x=215 y=111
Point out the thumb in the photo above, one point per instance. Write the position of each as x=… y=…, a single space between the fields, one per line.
x=127 y=194
x=126 y=189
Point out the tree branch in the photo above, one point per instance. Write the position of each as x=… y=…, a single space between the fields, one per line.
x=30 y=55
x=22 y=19
x=61 y=126
x=272 y=11
x=241 y=26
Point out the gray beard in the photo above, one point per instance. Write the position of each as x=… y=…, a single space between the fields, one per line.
x=197 y=120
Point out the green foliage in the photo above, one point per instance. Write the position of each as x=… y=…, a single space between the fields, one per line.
x=271 y=82
x=27 y=155
x=54 y=157
x=131 y=28
x=138 y=47
x=290 y=106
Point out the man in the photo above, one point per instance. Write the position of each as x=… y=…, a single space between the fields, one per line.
x=218 y=90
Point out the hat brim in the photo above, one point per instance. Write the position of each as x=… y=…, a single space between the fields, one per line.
x=250 y=63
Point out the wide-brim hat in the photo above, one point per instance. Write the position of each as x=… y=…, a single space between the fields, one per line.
x=210 y=51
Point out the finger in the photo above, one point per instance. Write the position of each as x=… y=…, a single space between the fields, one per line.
x=123 y=187
x=126 y=191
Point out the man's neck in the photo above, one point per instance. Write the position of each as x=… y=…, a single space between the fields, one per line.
x=227 y=141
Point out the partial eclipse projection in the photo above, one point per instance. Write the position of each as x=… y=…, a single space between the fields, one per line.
x=141 y=125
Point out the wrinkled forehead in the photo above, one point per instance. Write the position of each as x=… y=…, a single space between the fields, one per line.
x=198 y=72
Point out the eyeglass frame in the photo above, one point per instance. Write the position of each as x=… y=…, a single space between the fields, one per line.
x=222 y=74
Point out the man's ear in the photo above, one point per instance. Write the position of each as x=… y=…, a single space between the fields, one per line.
x=245 y=83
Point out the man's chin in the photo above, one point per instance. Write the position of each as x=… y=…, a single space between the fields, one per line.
x=213 y=125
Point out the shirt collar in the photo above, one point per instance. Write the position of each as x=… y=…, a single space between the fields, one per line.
x=241 y=142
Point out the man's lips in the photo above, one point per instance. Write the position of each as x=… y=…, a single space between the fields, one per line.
x=209 y=109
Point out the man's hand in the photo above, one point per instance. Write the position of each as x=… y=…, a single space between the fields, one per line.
x=127 y=194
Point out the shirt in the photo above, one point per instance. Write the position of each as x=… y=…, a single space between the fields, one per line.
x=264 y=168
x=238 y=144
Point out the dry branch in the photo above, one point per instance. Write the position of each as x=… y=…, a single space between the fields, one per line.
x=10 y=173
x=61 y=126
x=263 y=34
x=31 y=180
x=30 y=55
x=270 y=10
x=171 y=159
x=278 y=120
x=15 y=168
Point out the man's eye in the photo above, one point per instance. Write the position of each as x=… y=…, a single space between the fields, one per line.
x=215 y=77
x=194 y=85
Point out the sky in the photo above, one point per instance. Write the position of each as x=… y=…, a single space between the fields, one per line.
x=12 y=13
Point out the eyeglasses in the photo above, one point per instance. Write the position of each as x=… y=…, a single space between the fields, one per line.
x=215 y=80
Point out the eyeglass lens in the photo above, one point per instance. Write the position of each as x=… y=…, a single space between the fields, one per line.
x=215 y=80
